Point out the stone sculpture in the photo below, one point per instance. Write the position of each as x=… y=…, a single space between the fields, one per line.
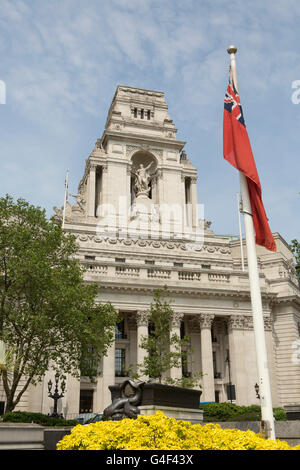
x=142 y=179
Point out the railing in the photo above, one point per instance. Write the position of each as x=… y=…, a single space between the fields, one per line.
x=189 y=276
x=218 y=277
x=96 y=268
x=127 y=271
x=159 y=273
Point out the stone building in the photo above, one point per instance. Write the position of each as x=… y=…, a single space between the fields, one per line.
x=139 y=227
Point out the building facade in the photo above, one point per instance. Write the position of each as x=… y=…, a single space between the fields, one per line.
x=139 y=226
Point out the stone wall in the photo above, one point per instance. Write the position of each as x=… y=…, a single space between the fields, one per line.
x=288 y=431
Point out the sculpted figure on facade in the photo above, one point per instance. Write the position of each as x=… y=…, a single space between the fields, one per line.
x=80 y=202
x=142 y=179
x=58 y=216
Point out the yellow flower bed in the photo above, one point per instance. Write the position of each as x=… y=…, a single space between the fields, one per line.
x=160 y=432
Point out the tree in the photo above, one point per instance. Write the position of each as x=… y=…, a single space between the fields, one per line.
x=48 y=314
x=164 y=350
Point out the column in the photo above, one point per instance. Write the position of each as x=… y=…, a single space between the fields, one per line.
x=92 y=191
x=242 y=358
x=108 y=374
x=142 y=331
x=194 y=202
x=194 y=333
x=176 y=372
x=208 y=393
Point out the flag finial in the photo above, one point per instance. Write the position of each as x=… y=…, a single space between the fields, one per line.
x=231 y=50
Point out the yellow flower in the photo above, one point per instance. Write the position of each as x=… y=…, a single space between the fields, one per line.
x=158 y=431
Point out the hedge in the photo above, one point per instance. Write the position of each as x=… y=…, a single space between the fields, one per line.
x=232 y=412
x=37 y=418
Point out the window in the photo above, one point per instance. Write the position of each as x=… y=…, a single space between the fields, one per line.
x=205 y=266
x=89 y=257
x=86 y=401
x=88 y=365
x=214 y=363
x=230 y=391
x=148 y=115
x=184 y=364
x=213 y=335
x=182 y=330
x=135 y=112
x=120 y=260
x=2 y=405
x=149 y=261
x=120 y=362
x=142 y=114
x=178 y=265
x=120 y=330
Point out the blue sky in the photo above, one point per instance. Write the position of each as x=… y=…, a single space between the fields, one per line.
x=61 y=61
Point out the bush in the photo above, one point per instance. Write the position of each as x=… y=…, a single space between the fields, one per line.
x=37 y=418
x=233 y=412
x=160 y=432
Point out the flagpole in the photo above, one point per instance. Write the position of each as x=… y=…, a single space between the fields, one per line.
x=240 y=229
x=65 y=198
x=255 y=293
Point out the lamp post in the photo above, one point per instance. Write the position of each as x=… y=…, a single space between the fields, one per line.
x=229 y=376
x=56 y=396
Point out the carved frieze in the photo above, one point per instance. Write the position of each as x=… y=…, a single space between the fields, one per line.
x=155 y=243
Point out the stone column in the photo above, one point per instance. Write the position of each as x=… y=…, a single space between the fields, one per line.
x=208 y=393
x=194 y=333
x=242 y=356
x=142 y=331
x=92 y=191
x=194 y=201
x=176 y=372
x=108 y=374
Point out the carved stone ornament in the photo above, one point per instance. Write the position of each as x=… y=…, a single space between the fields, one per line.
x=177 y=319
x=206 y=320
x=240 y=322
x=236 y=322
x=142 y=317
x=268 y=323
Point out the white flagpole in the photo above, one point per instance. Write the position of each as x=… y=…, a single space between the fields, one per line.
x=255 y=292
x=240 y=229
x=65 y=198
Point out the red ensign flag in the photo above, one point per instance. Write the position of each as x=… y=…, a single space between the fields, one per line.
x=237 y=151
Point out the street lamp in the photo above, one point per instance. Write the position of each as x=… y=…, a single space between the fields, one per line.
x=56 y=396
x=256 y=386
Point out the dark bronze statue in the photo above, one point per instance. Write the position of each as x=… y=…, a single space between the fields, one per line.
x=125 y=400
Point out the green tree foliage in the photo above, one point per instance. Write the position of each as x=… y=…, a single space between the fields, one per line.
x=164 y=350
x=48 y=314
